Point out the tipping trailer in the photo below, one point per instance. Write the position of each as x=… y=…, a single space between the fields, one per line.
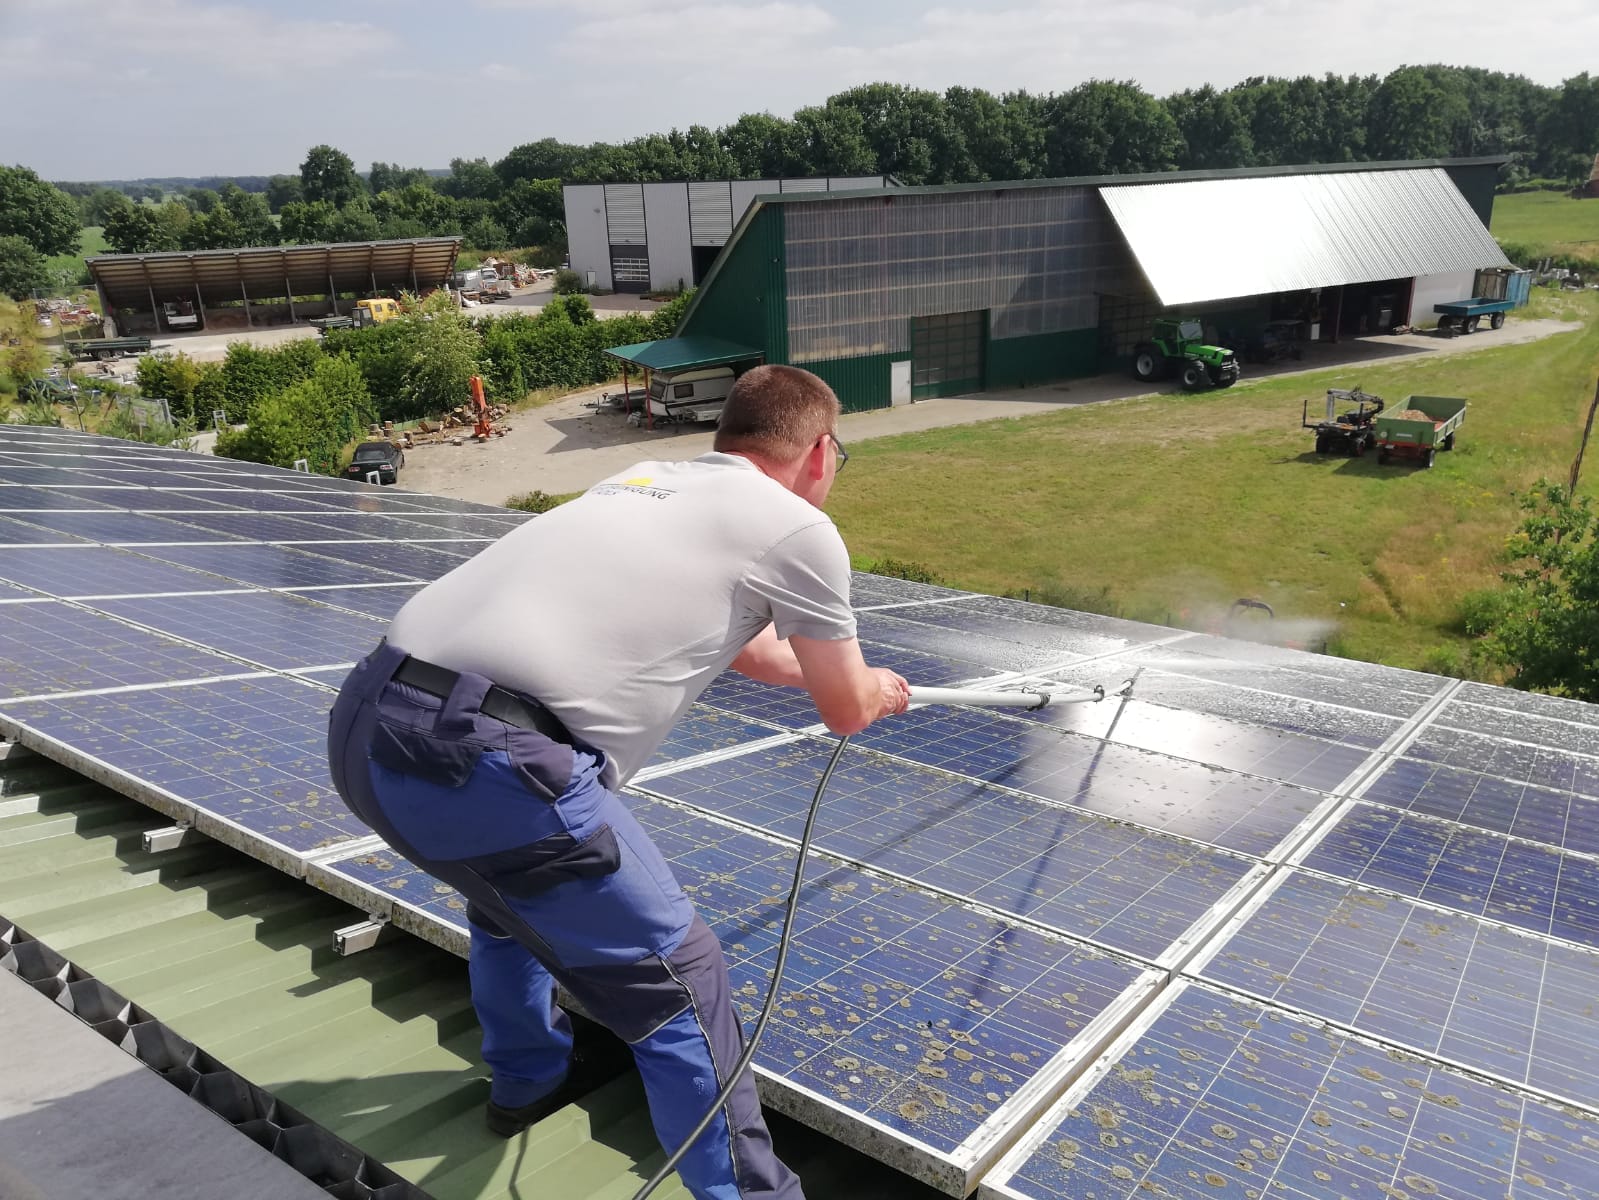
x=1420 y=428
x=1495 y=293
x=106 y=349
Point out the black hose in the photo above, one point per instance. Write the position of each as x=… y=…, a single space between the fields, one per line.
x=745 y=1059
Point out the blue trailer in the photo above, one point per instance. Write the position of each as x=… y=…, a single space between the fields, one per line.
x=1497 y=292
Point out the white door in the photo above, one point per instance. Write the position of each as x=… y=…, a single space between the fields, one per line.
x=899 y=382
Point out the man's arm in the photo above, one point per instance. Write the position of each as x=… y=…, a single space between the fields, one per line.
x=848 y=694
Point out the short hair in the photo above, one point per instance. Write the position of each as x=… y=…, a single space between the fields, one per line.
x=776 y=412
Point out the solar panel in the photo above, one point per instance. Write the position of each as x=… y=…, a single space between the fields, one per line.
x=1123 y=887
x=923 y=1023
x=1284 y=864
x=1220 y=1096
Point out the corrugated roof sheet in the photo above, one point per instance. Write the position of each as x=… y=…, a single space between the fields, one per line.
x=683 y=353
x=1222 y=238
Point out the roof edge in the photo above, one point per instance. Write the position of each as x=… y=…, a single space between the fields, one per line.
x=181 y=255
x=744 y=222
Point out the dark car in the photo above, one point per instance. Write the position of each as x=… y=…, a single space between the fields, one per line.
x=376 y=457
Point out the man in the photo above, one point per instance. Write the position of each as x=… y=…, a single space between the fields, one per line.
x=485 y=739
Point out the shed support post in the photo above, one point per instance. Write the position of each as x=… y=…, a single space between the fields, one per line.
x=200 y=300
x=333 y=296
x=1338 y=314
x=288 y=294
x=108 y=322
x=249 y=322
x=373 y=276
x=155 y=309
x=414 y=288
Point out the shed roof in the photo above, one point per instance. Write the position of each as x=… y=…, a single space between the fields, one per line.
x=272 y=271
x=1213 y=239
x=683 y=353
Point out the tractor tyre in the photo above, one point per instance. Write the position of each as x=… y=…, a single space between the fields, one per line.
x=1357 y=448
x=1449 y=442
x=1321 y=443
x=1195 y=376
x=1469 y=325
x=1149 y=364
x=1497 y=321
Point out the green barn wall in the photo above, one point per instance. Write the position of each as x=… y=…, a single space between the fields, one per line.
x=745 y=299
x=860 y=383
x=1020 y=361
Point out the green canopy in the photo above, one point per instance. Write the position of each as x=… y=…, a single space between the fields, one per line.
x=683 y=353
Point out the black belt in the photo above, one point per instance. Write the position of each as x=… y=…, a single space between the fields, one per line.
x=498 y=702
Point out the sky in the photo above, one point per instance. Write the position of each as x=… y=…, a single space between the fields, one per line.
x=123 y=89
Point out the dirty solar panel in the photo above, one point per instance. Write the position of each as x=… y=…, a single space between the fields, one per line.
x=1127 y=888
x=261 y=565
x=161 y=501
x=898 y=1005
x=888 y=629
x=1438 y=983
x=866 y=590
x=1555 y=733
x=1222 y=1097
x=269 y=629
x=53 y=647
x=16 y=532
x=268 y=527
x=1529 y=702
x=451 y=525
x=704 y=730
x=1089 y=624
x=419 y=562
x=1151 y=789
x=217 y=499
x=67 y=571
x=37 y=499
x=1057 y=643
x=250 y=752
x=1532 y=887
x=120 y=527
x=359 y=525
x=382 y=600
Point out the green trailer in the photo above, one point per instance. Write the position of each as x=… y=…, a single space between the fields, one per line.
x=1419 y=428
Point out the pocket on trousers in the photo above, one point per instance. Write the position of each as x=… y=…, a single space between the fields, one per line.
x=531 y=870
x=444 y=762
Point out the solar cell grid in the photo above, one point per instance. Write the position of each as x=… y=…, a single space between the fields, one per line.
x=1540 y=766
x=1536 y=888
x=250 y=752
x=14 y=532
x=1125 y=887
x=1238 y=652
x=267 y=566
x=46 y=477
x=887 y=629
x=379 y=601
x=54 y=647
x=267 y=527
x=271 y=629
x=120 y=527
x=68 y=571
x=1056 y=642
x=1224 y=1097
x=219 y=499
x=1554 y=732
x=865 y=589
x=1529 y=702
x=142 y=499
x=412 y=561
x=18 y=498
x=898 y=1005
x=422 y=525
x=703 y=730
x=1154 y=790
x=1437 y=983
x=379 y=525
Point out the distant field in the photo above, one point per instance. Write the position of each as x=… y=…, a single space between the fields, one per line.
x=92 y=241
x=1549 y=220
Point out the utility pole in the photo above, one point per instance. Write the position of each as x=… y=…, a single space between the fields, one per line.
x=1576 y=465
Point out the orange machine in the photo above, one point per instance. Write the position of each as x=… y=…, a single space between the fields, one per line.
x=483 y=430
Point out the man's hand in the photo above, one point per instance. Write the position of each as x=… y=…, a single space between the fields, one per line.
x=894 y=692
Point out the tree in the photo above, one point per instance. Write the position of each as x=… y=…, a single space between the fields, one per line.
x=215 y=230
x=22 y=268
x=910 y=131
x=1415 y=114
x=98 y=203
x=485 y=233
x=312 y=418
x=44 y=216
x=1107 y=128
x=759 y=146
x=1571 y=127
x=302 y=224
x=829 y=141
x=445 y=352
x=387 y=177
x=329 y=174
x=283 y=189
x=418 y=205
x=1548 y=632
x=471 y=179
x=534 y=210
x=202 y=200
x=250 y=212
x=354 y=223
x=543 y=159
x=1214 y=129
x=132 y=229
x=179 y=380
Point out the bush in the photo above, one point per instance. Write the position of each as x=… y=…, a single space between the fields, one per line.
x=568 y=282
x=445 y=351
x=1478 y=613
x=903 y=568
x=535 y=501
x=313 y=419
x=184 y=384
x=37 y=411
x=250 y=374
x=123 y=424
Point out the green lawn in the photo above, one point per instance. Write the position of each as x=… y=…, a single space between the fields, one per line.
x=1177 y=505
x=92 y=242
x=1548 y=220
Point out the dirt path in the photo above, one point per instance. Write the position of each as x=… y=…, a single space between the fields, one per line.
x=568 y=446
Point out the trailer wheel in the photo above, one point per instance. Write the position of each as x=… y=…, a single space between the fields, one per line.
x=1469 y=325
x=1383 y=456
x=1432 y=456
x=1445 y=323
x=1497 y=321
x=105 y=355
x=1449 y=442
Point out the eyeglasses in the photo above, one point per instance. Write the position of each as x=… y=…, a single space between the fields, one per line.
x=843 y=454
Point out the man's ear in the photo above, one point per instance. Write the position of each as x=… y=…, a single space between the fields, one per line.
x=816 y=460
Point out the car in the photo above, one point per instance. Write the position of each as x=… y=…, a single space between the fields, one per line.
x=381 y=458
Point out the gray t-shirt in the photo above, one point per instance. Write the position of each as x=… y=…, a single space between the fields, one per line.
x=619 y=607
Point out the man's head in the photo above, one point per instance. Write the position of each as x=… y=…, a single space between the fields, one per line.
x=783 y=419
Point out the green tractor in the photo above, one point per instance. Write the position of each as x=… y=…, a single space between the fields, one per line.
x=1180 y=345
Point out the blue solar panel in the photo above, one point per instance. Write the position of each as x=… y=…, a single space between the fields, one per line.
x=1485 y=874
x=97 y=571
x=704 y=729
x=408 y=561
x=121 y=527
x=143 y=499
x=249 y=752
x=378 y=525
x=271 y=629
x=1234 y=654
x=53 y=647
x=865 y=589
x=1440 y=984
x=1222 y=1097
x=1557 y=733
x=14 y=498
x=443 y=525
x=1557 y=707
x=1129 y=784
x=16 y=532
x=898 y=1005
x=1056 y=642
x=53 y=476
x=268 y=566
x=267 y=527
x=888 y=629
x=1125 y=887
x=381 y=601
x=215 y=496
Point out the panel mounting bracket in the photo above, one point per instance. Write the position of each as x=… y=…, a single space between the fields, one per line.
x=170 y=838
x=363 y=935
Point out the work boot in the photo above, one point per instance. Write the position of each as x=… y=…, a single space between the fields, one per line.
x=595 y=1062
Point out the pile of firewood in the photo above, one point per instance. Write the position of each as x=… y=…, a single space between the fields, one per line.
x=457 y=423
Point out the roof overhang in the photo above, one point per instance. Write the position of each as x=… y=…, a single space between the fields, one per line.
x=684 y=353
x=263 y=272
x=1220 y=239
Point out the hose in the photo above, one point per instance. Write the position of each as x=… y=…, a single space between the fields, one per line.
x=750 y=1047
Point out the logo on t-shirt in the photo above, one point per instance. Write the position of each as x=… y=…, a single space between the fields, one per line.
x=639 y=485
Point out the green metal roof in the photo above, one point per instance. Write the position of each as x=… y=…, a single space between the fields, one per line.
x=683 y=353
x=379 y=1048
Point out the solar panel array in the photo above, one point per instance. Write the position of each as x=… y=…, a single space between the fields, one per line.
x=1278 y=924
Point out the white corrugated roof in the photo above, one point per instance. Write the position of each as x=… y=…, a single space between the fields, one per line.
x=1216 y=239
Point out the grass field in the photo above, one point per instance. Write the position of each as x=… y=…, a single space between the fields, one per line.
x=1548 y=220
x=92 y=242
x=1168 y=508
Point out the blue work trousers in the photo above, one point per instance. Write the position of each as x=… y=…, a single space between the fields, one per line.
x=564 y=887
